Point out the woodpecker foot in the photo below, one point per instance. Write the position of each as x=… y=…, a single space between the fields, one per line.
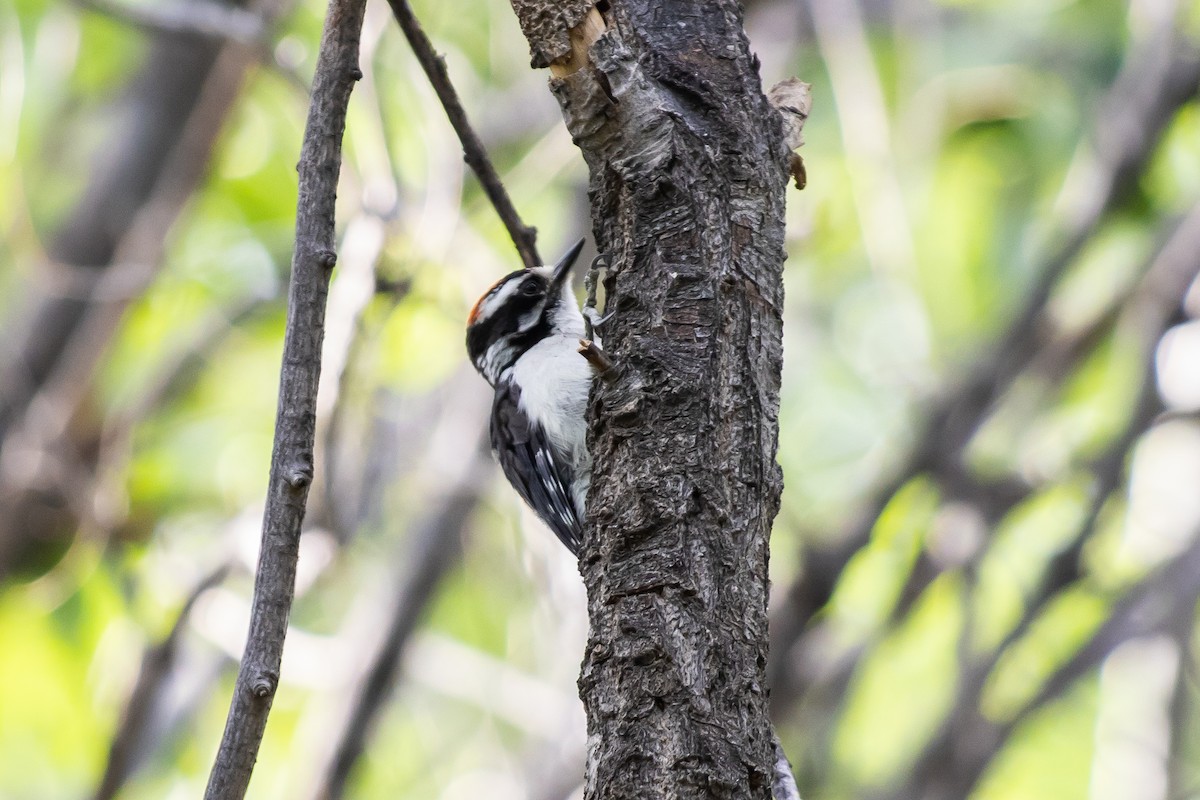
x=598 y=359
x=598 y=263
x=591 y=317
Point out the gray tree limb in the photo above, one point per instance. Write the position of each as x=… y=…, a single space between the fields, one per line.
x=435 y=547
x=1150 y=606
x=292 y=456
x=688 y=172
x=1154 y=307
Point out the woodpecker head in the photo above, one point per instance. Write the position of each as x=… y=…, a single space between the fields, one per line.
x=520 y=310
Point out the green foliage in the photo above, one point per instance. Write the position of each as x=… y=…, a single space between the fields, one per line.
x=921 y=658
x=59 y=707
x=910 y=251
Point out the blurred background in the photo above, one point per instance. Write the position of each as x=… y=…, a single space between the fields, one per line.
x=986 y=565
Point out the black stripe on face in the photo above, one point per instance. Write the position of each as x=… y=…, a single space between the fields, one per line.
x=505 y=320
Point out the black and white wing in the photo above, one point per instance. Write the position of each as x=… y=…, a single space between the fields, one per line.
x=540 y=475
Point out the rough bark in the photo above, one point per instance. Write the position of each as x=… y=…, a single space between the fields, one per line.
x=292 y=456
x=688 y=172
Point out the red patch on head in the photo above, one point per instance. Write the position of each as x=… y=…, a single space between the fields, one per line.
x=475 y=309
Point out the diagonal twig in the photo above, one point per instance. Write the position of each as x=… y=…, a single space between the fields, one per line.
x=436 y=545
x=523 y=236
x=1150 y=607
x=1150 y=309
x=156 y=669
x=1153 y=309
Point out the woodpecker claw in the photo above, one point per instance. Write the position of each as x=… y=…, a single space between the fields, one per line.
x=593 y=316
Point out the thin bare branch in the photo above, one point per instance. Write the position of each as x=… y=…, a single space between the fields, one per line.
x=523 y=236
x=292 y=457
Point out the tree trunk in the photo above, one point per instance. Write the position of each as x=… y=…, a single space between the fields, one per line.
x=688 y=172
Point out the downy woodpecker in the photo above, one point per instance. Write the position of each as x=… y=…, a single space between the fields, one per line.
x=523 y=336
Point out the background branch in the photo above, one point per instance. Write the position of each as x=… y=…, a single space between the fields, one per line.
x=1166 y=82
x=292 y=456
x=433 y=549
x=157 y=664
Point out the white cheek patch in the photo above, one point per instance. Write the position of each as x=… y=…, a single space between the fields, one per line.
x=530 y=318
x=492 y=304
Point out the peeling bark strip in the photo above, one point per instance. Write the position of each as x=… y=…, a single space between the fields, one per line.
x=546 y=24
x=688 y=172
x=291 y=459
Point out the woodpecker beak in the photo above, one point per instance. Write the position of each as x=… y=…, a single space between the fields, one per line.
x=562 y=269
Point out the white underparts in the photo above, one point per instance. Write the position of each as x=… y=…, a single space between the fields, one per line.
x=555 y=380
